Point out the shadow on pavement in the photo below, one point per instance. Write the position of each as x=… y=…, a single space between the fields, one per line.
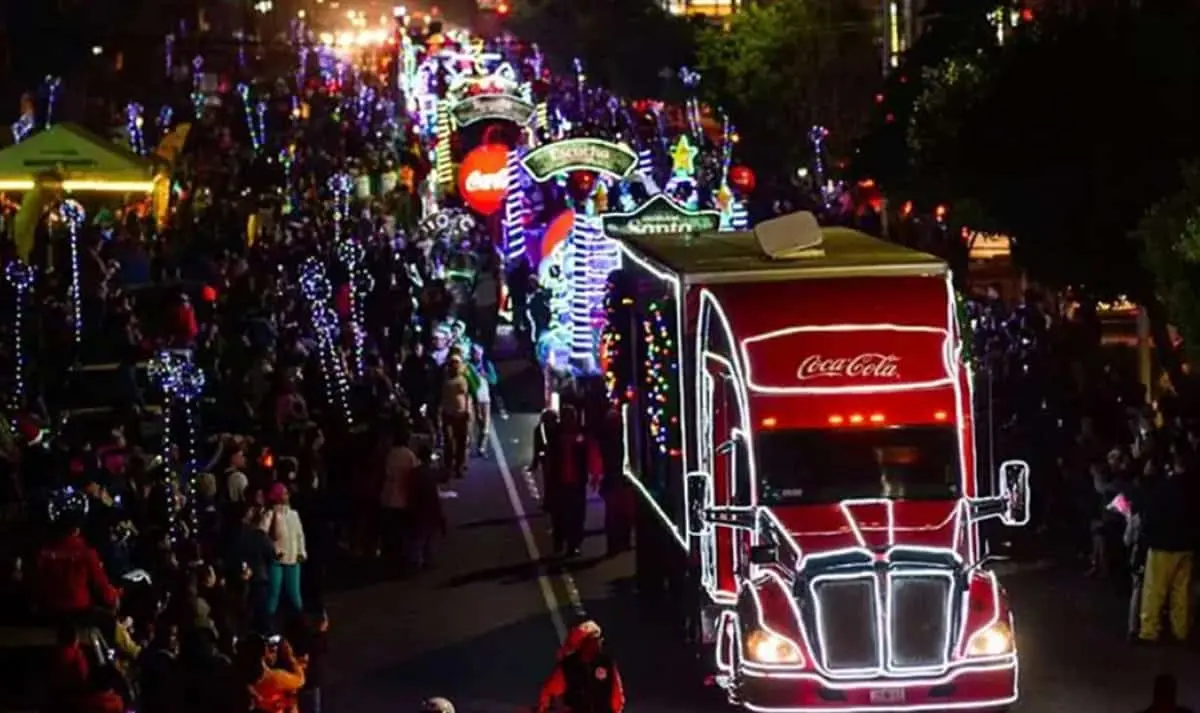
x=486 y=674
x=506 y=574
x=574 y=565
x=521 y=387
x=499 y=521
x=659 y=670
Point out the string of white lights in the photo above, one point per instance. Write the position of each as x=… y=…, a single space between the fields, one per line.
x=182 y=383
x=73 y=214
x=20 y=278
x=315 y=287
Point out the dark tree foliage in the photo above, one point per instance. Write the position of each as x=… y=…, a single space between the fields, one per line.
x=1170 y=239
x=1083 y=129
x=632 y=47
x=780 y=68
x=955 y=31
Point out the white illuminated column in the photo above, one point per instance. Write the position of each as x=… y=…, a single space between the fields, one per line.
x=514 y=209
x=739 y=218
x=73 y=214
x=585 y=242
x=443 y=160
x=20 y=278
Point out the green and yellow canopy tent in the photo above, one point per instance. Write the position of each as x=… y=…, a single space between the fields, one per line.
x=68 y=159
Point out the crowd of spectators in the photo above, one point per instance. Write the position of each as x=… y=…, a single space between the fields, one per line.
x=182 y=552
x=1115 y=478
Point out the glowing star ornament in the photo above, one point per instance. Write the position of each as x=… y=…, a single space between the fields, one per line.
x=723 y=198
x=683 y=157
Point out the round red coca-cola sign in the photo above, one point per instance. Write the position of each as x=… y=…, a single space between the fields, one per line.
x=483 y=178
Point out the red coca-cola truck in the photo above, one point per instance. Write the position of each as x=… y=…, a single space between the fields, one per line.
x=799 y=419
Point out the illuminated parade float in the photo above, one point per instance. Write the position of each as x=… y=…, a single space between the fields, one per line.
x=797 y=415
x=549 y=169
x=796 y=401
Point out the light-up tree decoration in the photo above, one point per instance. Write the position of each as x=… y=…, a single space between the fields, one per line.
x=134 y=126
x=314 y=285
x=73 y=215
x=197 y=86
x=182 y=383
x=351 y=255
x=248 y=112
x=339 y=185
x=20 y=278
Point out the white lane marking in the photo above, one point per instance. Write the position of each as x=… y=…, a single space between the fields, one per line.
x=535 y=556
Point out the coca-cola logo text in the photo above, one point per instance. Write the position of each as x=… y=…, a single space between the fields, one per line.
x=479 y=182
x=870 y=365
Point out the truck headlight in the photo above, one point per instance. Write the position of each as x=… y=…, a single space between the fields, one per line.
x=765 y=647
x=995 y=640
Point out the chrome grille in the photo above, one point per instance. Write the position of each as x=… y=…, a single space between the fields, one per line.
x=919 y=631
x=848 y=613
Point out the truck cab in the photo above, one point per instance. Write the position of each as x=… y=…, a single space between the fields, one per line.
x=830 y=500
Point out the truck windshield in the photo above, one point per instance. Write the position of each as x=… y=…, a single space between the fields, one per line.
x=828 y=465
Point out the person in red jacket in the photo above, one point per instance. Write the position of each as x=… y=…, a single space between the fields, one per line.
x=70 y=579
x=186 y=327
x=70 y=673
x=586 y=679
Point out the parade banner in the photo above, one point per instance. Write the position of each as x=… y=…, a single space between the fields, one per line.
x=660 y=216
x=545 y=162
x=483 y=107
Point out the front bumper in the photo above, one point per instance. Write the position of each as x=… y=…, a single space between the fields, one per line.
x=968 y=687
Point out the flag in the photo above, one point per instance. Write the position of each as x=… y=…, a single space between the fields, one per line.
x=171 y=144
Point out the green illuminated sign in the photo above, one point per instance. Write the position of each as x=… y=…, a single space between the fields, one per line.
x=492 y=106
x=660 y=216
x=544 y=162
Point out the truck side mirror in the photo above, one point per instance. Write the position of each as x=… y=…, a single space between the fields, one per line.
x=699 y=495
x=1014 y=492
x=763 y=554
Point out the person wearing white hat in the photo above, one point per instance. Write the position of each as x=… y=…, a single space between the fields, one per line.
x=437 y=704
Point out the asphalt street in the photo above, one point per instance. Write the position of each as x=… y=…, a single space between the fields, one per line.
x=482 y=628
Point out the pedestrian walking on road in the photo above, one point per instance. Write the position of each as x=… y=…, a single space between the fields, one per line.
x=567 y=469
x=395 y=506
x=428 y=518
x=484 y=388
x=456 y=414
x=544 y=434
x=619 y=501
